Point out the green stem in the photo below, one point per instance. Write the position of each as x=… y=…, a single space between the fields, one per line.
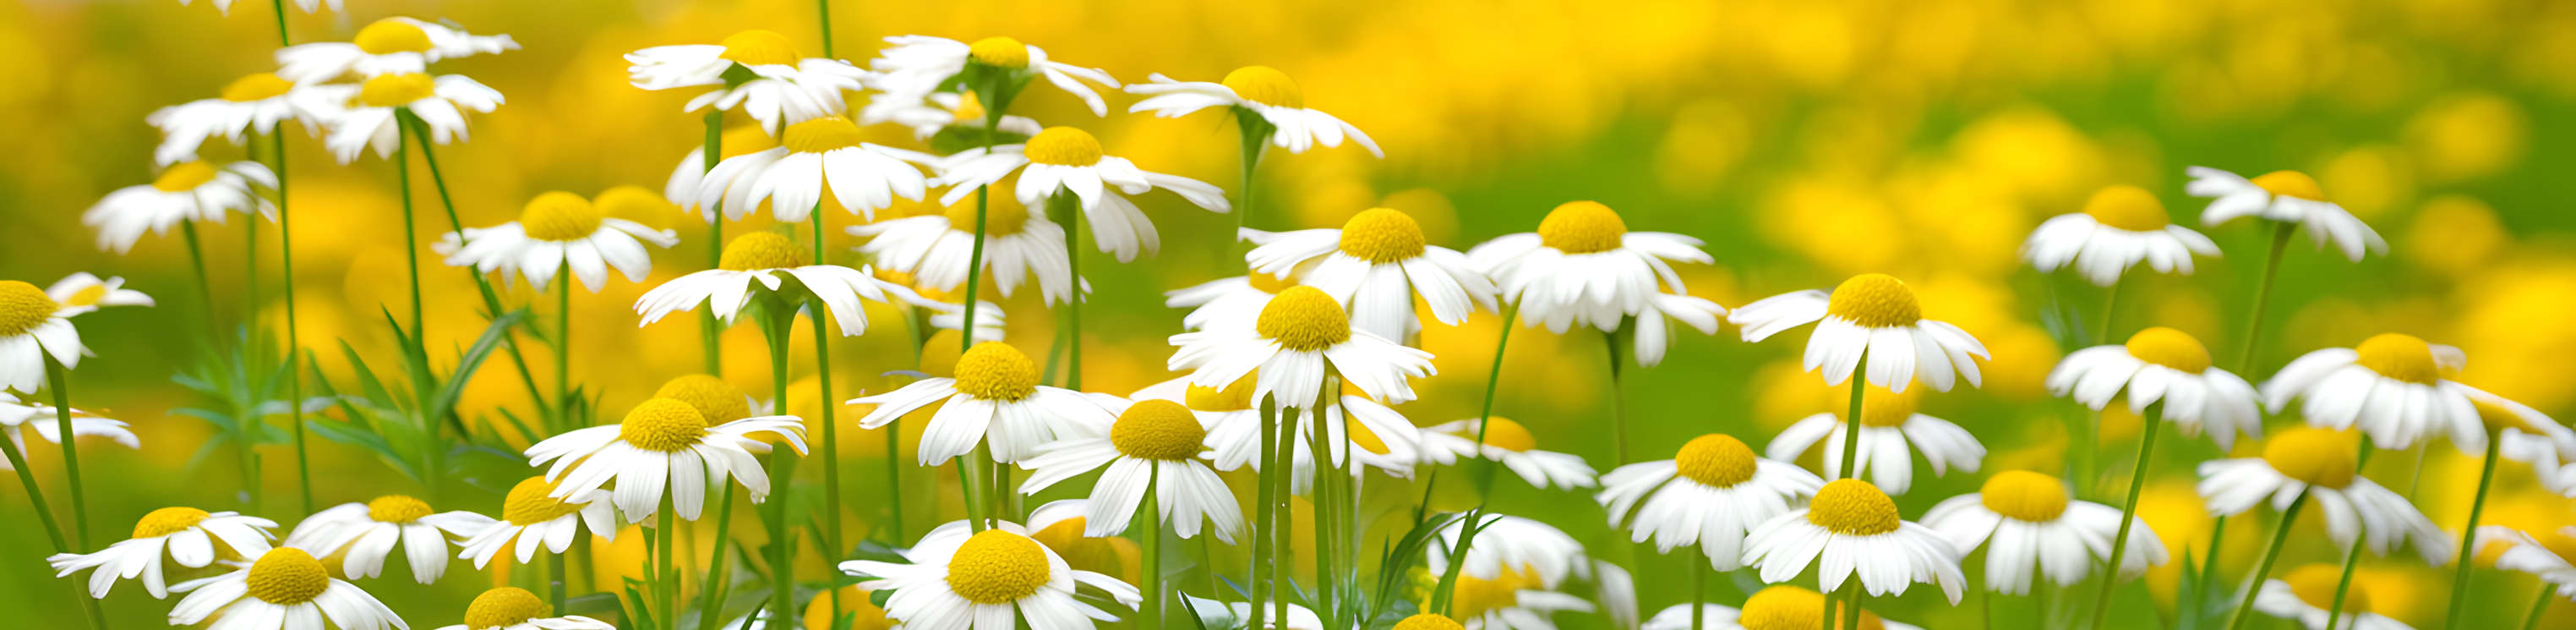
x=2208 y=571
x=491 y=299
x=2532 y=620
x=294 y=344
x=781 y=568
x=1851 y=422
x=411 y=241
x=1283 y=550
x=556 y=577
x=975 y=257
x=2128 y=511
x=823 y=16
x=2263 y=568
x=1485 y=413
x=205 y=284
x=1851 y=604
x=2343 y=584
x=1256 y=134
x=60 y=383
x=821 y=317
x=712 y=594
x=1265 y=513
x=1152 y=540
x=967 y=482
x=2469 y=537
x=710 y=331
x=2110 y=312
x=1699 y=587
x=36 y=498
x=665 y=575
x=2263 y=297
x=563 y=334
x=1072 y=307
x=280 y=6
x=1618 y=401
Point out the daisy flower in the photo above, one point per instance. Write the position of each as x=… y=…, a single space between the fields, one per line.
x=2525 y=435
x=2025 y=519
x=532 y=517
x=1506 y=544
x=373 y=116
x=1850 y=520
x=1874 y=315
x=663 y=441
x=1510 y=602
x=1062 y=160
x=2325 y=466
x=994 y=399
x=2545 y=560
x=15 y=414
x=939 y=249
x=1262 y=92
x=960 y=580
x=814 y=159
x=1891 y=432
x=555 y=231
x=780 y=270
x=1154 y=446
x=682 y=188
x=1301 y=338
x=2163 y=365
x=937 y=112
x=2289 y=197
x=1383 y=438
x=1511 y=444
x=2393 y=386
x=187 y=191
x=514 y=608
x=1710 y=494
x=775 y=86
x=1583 y=266
x=1376 y=263
x=32 y=327
x=2307 y=596
x=85 y=291
x=1219 y=614
x=191 y=537
x=364 y=534
x=1237 y=299
x=1653 y=334
x=921 y=64
x=2120 y=226
x=394 y=45
x=251 y=104
x=285 y=589
x=1781 y=607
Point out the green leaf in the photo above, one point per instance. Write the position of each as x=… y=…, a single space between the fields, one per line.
x=445 y=402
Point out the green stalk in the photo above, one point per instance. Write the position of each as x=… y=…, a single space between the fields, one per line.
x=2263 y=568
x=2343 y=584
x=1283 y=549
x=1152 y=539
x=206 y=299
x=1851 y=604
x=710 y=331
x=1699 y=587
x=2469 y=536
x=712 y=594
x=1073 y=307
x=1265 y=512
x=975 y=257
x=411 y=240
x=491 y=299
x=2263 y=296
x=823 y=18
x=821 y=317
x=54 y=531
x=2208 y=570
x=967 y=481
x=286 y=264
x=782 y=569
x=1484 y=415
x=2128 y=511
x=665 y=575
x=280 y=6
x=2532 y=620
x=557 y=577
x=60 y=383
x=1256 y=133
x=1618 y=399
x=1851 y=423
x=563 y=334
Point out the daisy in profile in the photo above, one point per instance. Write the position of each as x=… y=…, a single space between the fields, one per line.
x=994 y=399
x=1511 y=444
x=663 y=445
x=2289 y=197
x=87 y=292
x=1654 y=334
x=559 y=231
x=775 y=85
x=1871 y=318
x=2324 y=466
x=2121 y=226
x=394 y=45
x=514 y=608
x=1507 y=544
x=1892 y=431
x=1583 y=266
x=815 y=159
x=766 y=265
x=939 y=249
x=1154 y=446
x=1237 y=299
x=189 y=537
x=1849 y=520
x=1065 y=160
x=1511 y=602
x=251 y=104
x=1376 y=263
x=1300 y=338
x=439 y=102
x=284 y=589
x=187 y=191
x=2392 y=386
x=532 y=518
x=2307 y=595
x=957 y=579
x=2525 y=435
x=1710 y=494
x=1358 y=429
x=736 y=141
x=1261 y=92
x=2163 y=365
x=2547 y=561
x=362 y=535
x=2025 y=519
x=961 y=115
x=16 y=414
x=917 y=65
x=32 y=327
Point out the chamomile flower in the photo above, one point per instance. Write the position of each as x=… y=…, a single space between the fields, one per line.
x=1375 y=264
x=394 y=45
x=2392 y=386
x=1583 y=266
x=1654 y=334
x=1219 y=614
x=284 y=589
x=1301 y=338
x=1710 y=494
x=939 y=249
x=2525 y=435
x=1891 y=432
x=1511 y=444
x=32 y=327
x=663 y=441
x=775 y=85
x=373 y=118
x=1510 y=602
x=87 y=292
x=682 y=188
x=961 y=580
x=1260 y=91
x=1236 y=300
x=1872 y=316
x=2546 y=560
x=190 y=537
x=187 y=191
x=994 y=399
x=2163 y=365
x=362 y=535
x=1779 y=607
x=532 y=518
x=1154 y=446
x=2024 y=519
x=2307 y=595
x=814 y=159
x=2120 y=226
x=920 y=64
x=514 y=608
x=557 y=231
x=1507 y=544
x=944 y=111
x=2325 y=466
x=1850 y=522
x=16 y=414
x=2289 y=197
x=765 y=264
x=251 y=104
x=1065 y=160
x=1369 y=434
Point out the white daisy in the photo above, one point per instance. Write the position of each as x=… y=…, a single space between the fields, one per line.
x=16 y=414
x=1511 y=444
x=945 y=316
x=1710 y=494
x=559 y=230
x=994 y=399
x=2323 y=465
x=187 y=191
x=661 y=441
x=1874 y=315
x=2163 y=365
x=1301 y=338
x=532 y=517
x=1375 y=264
x=373 y=116
x=514 y=608
x=2024 y=519
x=815 y=158
x=191 y=537
x=939 y=249
x=2525 y=435
x=1217 y=614
x=1261 y=91
x=1583 y=266
x=2286 y=196
x=1542 y=554
x=946 y=111
x=682 y=189
x=780 y=269
x=86 y=291
x=989 y=580
x=2393 y=386
x=920 y=64
x=1891 y=432
x=775 y=86
x=394 y=45
x=364 y=534
x=1511 y=602
x=2120 y=226
x=1778 y=607
x=1654 y=335
x=251 y=104
x=32 y=327
x=1154 y=446
x=2307 y=595
x=1385 y=440
x=285 y=589
x=1236 y=300
x=2547 y=561
x=1061 y=160
x=1850 y=523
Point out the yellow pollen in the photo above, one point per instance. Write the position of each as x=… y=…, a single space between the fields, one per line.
x=1716 y=460
x=2127 y=207
x=999 y=52
x=256 y=87
x=1001 y=218
x=1267 y=86
x=286 y=575
x=1503 y=433
x=2399 y=356
x=1875 y=300
x=2024 y=495
x=1157 y=429
x=1852 y=507
x=821 y=134
x=88 y=295
x=560 y=216
x=1886 y=409
x=2315 y=456
x=396 y=90
x=2291 y=184
x=716 y=401
x=1582 y=227
x=167 y=521
x=184 y=176
x=997 y=567
x=1793 y=608
x=1236 y=396
x=1382 y=236
x=528 y=503
x=2315 y=585
x=996 y=371
x=2170 y=348
x=1304 y=319
x=1269 y=283
x=758 y=47
x=395 y=508
x=760 y=250
x=1063 y=146
x=23 y=307
x=662 y=424
x=388 y=36
x=1429 y=621
x=504 y=606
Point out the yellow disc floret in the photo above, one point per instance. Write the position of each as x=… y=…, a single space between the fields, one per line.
x=1794 y=608
x=167 y=521
x=2127 y=207
x=1236 y=396
x=528 y=503
x=996 y=371
x=1429 y=621
x=1304 y=319
x=2315 y=585
x=2024 y=495
x=396 y=508
x=1382 y=236
x=1582 y=227
x=2292 y=184
x=2315 y=456
x=392 y=35
x=1476 y=596
x=715 y=400
x=662 y=424
x=184 y=176
x=760 y=250
x=286 y=575
x=1887 y=409
x=23 y=307
x=1002 y=217
x=1063 y=146
x=997 y=567
x=1716 y=460
x=758 y=47
x=1157 y=429
x=828 y=133
x=1503 y=433
x=1267 y=86
x=1875 y=300
x=256 y=87
x=504 y=606
x=560 y=216
x=396 y=90
x=2170 y=348
x=2399 y=356
x=1852 y=507
x=999 y=52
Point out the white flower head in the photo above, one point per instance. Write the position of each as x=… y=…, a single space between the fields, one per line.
x=2547 y=560
x=918 y=65
x=559 y=230
x=87 y=292
x=1261 y=91
x=514 y=608
x=2307 y=595
x=1710 y=494
x=1300 y=338
x=1020 y=247
x=1065 y=160
x=2392 y=386
x=1376 y=264
x=190 y=537
x=2025 y=519
x=1506 y=545
x=1849 y=530
x=373 y=116
x=664 y=445
x=33 y=327
x=16 y=414
x=691 y=173
x=1583 y=267
x=251 y=104
x=2163 y=365
x=995 y=400
x=284 y=588
x=1874 y=315
x=364 y=534
x=774 y=85
x=1234 y=300
x=187 y=191
x=1774 y=607
x=814 y=160
x=957 y=579
x=761 y=264
x=2285 y=196
x=394 y=45
x=944 y=111
x=2325 y=466
x=533 y=518
x=1358 y=429
x=1509 y=443
x=1892 y=431
x=2525 y=435
x=1154 y=446
x=2120 y=226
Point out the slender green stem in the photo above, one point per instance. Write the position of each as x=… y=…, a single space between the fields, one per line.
x=2208 y=570
x=2463 y=565
x=60 y=383
x=711 y=594
x=2110 y=312
x=821 y=317
x=781 y=563
x=1150 y=517
x=967 y=482
x=563 y=334
x=1072 y=307
x=2263 y=297
x=205 y=283
x=1265 y=514
x=1256 y=134
x=1485 y=413
x=823 y=21
x=491 y=299
x=411 y=242
x=2128 y=511
x=2343 y=584
x=556 y=577
x=975 y=256
x=250 y=291
x=2263 y=568
x=1283 y=549
x=710 y=331
x=2539 y=607
x=1851 y=422
x=1618 y=398
x=286 y=289
x=666 y=575
x=280 y=7
x=1699 y=587
x=1851 y=604
x=36 y=498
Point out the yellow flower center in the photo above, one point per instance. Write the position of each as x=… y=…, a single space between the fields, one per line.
x=395 y=508
x=2170 y=348
x=504 y=606
x=88 y=295
x=1063 y=146
x=1852 y=507
x=2127 y=207
x=23 y=307
x=388 y=36
x=2315 y=456
x=1875 y=300
x=662 y=424
x=2025 y=495
x=1716 y=460
x=2315 y=585
x=821 y=134
x=560 y=216
x=1236 y=396
x=1429 y=621
x=184 y=176
x=286 y=575
x=760 y=250
x=2291 y=184
x=996 y=371
x=167 y=521
x=997 y=567
x=999 y=52
x=1503 y=433
x=1582 y=227
x=758 y=47
x=716 y=401
x=1381 y=236
x=2399 y=356
x=256 y=87
x=396 y=90
x=1157 y=429
x=1267 y=86
x=1303 y=319
x=1001 y=218
x=1793 y=608
x=1886 y=409
x=528 y=503
x=1476 y=596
